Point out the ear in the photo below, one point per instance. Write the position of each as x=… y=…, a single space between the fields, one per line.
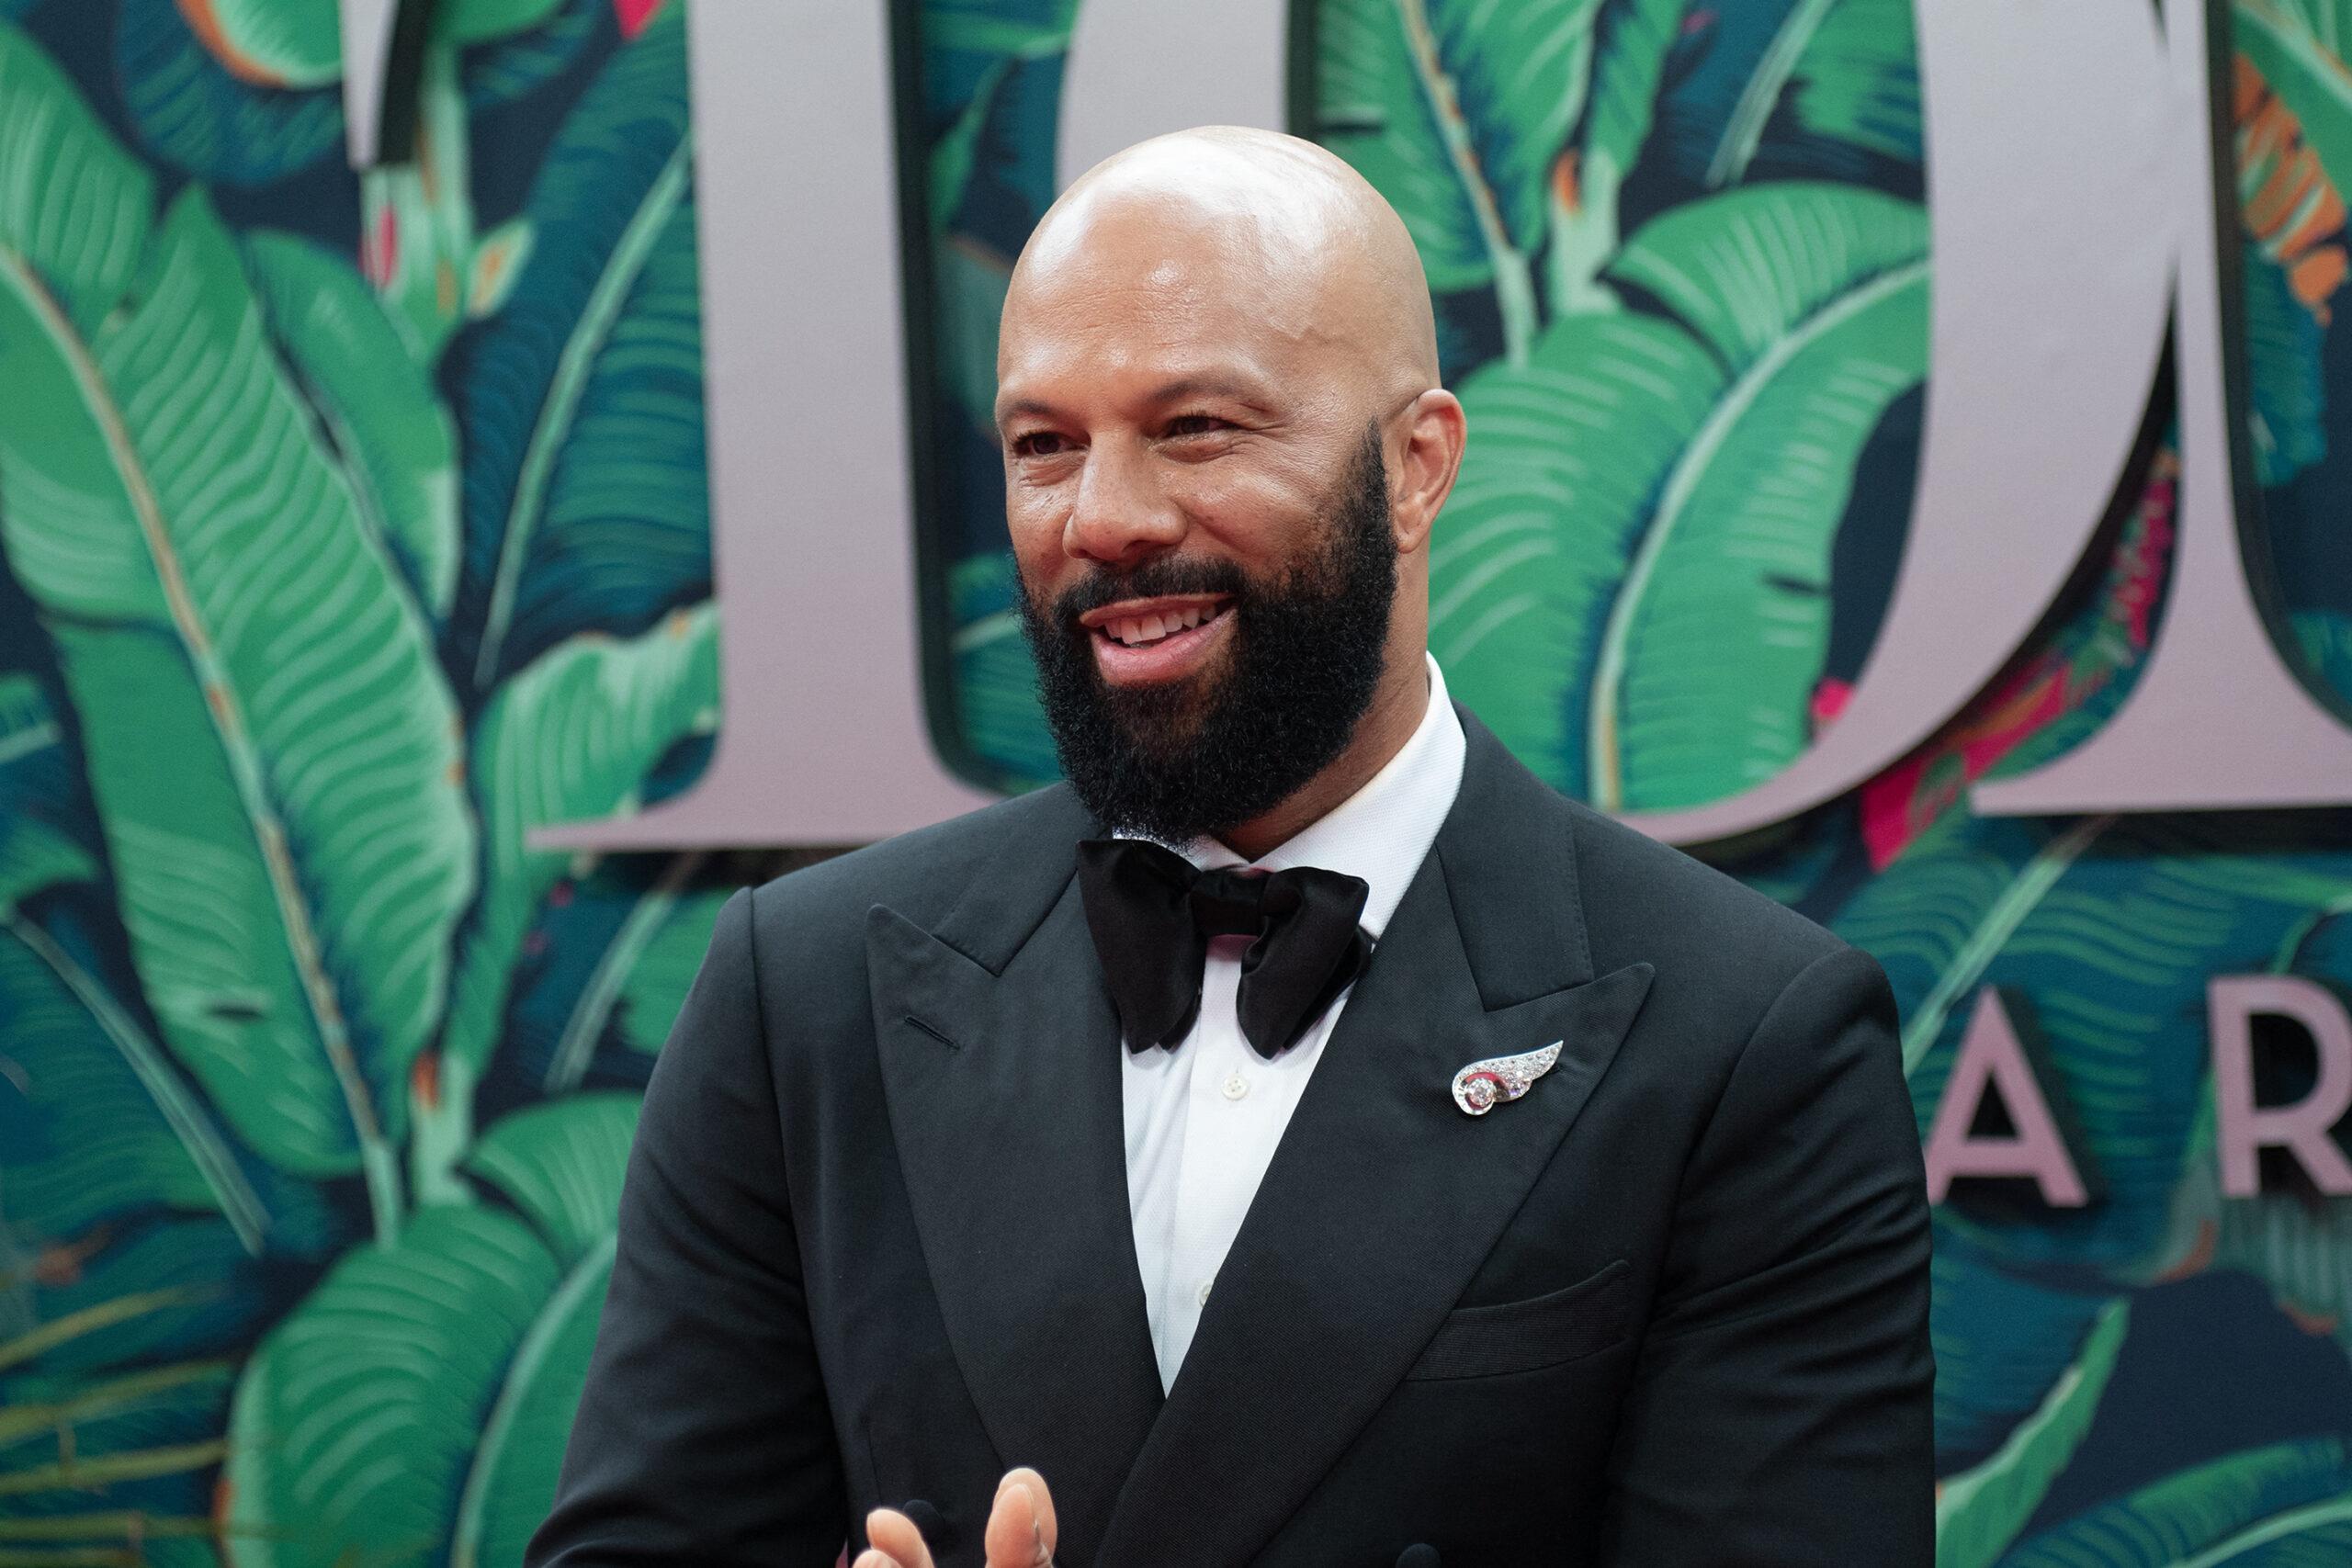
x=1433 y=434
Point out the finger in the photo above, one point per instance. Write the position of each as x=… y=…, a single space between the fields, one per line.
x=1020 y=1533
x=896 y=1543
x=1043 y=1498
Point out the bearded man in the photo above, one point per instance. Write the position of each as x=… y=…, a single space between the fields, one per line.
x=1301 y=1138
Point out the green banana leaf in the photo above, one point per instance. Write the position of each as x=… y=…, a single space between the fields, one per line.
x=567 y=1015
x=190 y=111
x=1456 y=111
x=1566 y=460
x=290 y=880
x=83 y=253
x=2002 y=1340
x=120 y=1463
x=478 y=21
x=1635 y=37
x=1760 y=93
x=952 y=154
x=99 y=1126
x=2299 y=46
x=1980 y=1512
x=561 y=1164
x=379 y=408
x=1034 y=27
x=276 y=43
x=38 y=849
x=299 y=43
x=996 y=682
x=102 y=1143
x=584 y=483
x=970 y=289
x=358 y=1415
x=1715 y=641
x=95 y=1120
x=665 y=968
x=1748 y=270
x=2289 y=1505
x=504 y=70
x=2287 y=374
x=992 y=79
x=2295 y=1246
x=413 y=1409
x=145 y=1289
x=569 y=738
x=2323 y=640
x=2111 y=928
x=1633 y=574
x=1838 y=81
x=1856 y=84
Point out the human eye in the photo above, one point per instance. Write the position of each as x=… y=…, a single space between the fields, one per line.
x=1037 y=444
x=1185 y=425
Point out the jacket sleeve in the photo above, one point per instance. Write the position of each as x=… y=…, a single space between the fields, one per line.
x=703 y=1436
x=1781 y=1409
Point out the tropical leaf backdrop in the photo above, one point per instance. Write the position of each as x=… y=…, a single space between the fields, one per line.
x=315 y=1082
x=1680 y=261
x=354 y=525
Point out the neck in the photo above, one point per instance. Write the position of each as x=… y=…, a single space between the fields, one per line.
x=1395 y=711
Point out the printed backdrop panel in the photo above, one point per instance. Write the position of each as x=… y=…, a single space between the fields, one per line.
x=1680 y=259
x=315 y=1084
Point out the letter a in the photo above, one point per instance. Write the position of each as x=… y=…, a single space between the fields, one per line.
x=1992 y=1054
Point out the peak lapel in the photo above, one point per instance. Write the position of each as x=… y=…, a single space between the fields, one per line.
x=1384 y=1198
x=999 y=1058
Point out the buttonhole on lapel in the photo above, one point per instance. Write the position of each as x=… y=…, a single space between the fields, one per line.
x=934 y=1033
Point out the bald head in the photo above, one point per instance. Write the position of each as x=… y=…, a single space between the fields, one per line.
x=1277 y=226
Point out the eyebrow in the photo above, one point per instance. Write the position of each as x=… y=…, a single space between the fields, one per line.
x=1209 y=386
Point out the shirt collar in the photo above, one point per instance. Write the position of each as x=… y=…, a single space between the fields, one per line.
x=1383 y=832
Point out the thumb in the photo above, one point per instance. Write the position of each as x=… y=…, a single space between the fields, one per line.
x=1021 y=1526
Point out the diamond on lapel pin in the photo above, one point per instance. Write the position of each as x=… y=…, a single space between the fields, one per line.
x=1483 y=1085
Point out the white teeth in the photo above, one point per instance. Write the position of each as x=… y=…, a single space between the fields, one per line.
x=1135 y=630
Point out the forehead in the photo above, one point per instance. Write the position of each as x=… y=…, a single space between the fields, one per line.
x=1132 y=295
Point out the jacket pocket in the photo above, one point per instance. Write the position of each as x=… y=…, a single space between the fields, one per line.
x=1523 y=1336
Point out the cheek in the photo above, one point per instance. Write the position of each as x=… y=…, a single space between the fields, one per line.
x=1258 y=517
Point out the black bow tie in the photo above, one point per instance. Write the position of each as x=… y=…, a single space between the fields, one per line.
x=1152 y=914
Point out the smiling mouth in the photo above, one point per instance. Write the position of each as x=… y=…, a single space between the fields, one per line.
x=1145 y=630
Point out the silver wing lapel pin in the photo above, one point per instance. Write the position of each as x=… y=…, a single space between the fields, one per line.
x=1483 y=1085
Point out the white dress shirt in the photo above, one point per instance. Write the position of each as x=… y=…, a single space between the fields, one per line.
x=1203 y=1119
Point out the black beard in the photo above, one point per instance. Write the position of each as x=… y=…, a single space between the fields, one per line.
x=1199 y=757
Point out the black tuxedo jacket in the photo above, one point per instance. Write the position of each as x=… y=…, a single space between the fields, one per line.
x=1669 y=1308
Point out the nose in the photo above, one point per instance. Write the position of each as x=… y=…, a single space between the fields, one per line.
x=1121 y=514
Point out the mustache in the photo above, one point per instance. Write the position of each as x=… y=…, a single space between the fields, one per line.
x=1153 y=577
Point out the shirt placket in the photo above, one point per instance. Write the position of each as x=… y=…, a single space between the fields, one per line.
x=1218 y=1131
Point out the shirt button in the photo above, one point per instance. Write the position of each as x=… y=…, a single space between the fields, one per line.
x=1236 y=1087
x=1204 y=1291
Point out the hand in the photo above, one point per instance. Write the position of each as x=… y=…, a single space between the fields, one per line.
x=1020 y=1532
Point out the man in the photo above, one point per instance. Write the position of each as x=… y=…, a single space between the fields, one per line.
x=1417 y=1169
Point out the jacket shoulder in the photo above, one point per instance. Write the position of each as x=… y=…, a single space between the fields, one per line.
x=1647 y=901
x=922 y=872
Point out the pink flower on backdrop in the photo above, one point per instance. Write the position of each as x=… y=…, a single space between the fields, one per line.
x=634 y=13
x=1903 y=801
